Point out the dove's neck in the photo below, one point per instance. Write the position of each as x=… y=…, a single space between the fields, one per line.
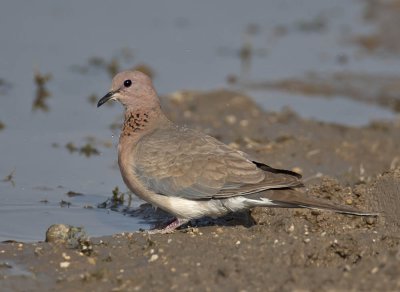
x=138 y=122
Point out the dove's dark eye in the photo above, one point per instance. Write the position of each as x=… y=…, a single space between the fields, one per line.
x=127 y=83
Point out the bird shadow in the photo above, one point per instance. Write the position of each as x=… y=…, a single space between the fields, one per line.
x=159 y=219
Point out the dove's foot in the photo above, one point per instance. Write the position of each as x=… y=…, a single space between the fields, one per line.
x=170 y=227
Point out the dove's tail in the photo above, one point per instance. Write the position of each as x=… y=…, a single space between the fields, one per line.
x=292 y=198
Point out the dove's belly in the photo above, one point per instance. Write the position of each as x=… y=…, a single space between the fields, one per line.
x=191 y=209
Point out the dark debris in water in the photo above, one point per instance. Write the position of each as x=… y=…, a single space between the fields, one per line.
x=118 y=196
x=73 y=194
x=64 y=204
x=9 y=178
x=2 y=125
x=42 y=93
x=118 y=200
x=71 y=147
x=87 y=150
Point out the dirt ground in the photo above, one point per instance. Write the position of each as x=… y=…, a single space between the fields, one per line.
x=267 y=250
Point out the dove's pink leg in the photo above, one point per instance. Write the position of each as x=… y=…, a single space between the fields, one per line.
x=171 y=226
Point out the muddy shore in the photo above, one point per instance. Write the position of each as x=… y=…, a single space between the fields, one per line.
x=267 y=250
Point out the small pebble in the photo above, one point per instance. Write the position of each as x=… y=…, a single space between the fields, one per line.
x=297 y=169
x=65 y=256
x=65 y=265
x=58 y=233
x=230 y=119
x=153 y=258
x=370 y=220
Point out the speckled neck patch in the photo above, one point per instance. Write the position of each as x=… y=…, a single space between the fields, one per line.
x=135 y=122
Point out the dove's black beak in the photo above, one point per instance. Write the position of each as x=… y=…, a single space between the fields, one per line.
x=106 y=98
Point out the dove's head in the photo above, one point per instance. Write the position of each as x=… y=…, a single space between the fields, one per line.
x=133 y=89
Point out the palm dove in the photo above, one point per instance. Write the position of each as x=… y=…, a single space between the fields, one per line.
x=190 y=174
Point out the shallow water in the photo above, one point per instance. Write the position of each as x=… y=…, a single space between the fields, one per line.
x=190 y=45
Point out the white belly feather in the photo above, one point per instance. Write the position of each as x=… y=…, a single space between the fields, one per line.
x=191 y=209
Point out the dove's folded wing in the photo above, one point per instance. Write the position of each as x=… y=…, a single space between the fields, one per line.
x=186 y=163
